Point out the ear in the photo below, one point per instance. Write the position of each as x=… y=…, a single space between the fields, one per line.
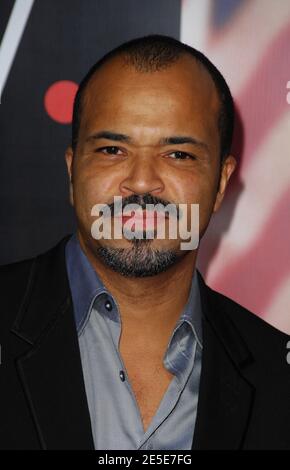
x=69 y=155
x=228 y=168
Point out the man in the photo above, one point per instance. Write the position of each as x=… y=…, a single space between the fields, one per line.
x=117 y=343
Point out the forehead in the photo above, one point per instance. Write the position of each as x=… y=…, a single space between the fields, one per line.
x=181 y=97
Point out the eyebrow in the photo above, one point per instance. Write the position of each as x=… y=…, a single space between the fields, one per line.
x=172 y=140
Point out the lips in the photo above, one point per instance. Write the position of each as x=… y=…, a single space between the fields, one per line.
x=148 y=219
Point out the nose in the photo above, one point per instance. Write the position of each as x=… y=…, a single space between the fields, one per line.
x=143 y=177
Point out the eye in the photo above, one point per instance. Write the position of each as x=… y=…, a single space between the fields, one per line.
x=181 y=155
x=109 y=150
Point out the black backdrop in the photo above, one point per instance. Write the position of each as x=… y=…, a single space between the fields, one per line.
x=62 y=39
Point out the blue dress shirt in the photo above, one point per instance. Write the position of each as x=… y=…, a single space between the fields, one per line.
x=115 y=417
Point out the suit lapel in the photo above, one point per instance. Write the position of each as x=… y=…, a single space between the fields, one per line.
x=50 y=370
x=225 y=395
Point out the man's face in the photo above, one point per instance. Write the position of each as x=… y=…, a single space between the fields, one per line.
x=142 y=111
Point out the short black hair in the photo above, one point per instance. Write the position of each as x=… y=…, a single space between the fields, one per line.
x=156 y=52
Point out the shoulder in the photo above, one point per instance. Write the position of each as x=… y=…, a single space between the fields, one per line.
x=266 y=342
x=14 y=275
x=244 y=319
x=18 y=279
x=18 y=270
x=14 y=283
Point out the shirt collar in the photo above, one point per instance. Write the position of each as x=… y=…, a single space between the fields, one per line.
x=84 y=282
x=86 y=285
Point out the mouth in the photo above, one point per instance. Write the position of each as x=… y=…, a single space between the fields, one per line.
x=146 y=220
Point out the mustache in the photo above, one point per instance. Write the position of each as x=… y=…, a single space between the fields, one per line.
x=143 y=200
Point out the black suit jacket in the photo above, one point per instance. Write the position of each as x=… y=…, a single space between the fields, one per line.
x=244 y=397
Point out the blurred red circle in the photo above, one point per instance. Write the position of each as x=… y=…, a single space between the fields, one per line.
x=58 y=101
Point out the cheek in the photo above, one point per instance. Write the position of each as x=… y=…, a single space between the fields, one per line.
x=90 y=189
x=195 y=189
x=93 y=186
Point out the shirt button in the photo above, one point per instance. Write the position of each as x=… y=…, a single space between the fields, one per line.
x=122 y=375
x=108 y=305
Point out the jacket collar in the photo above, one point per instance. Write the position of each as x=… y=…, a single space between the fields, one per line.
x=47 y=294
x=225 y=393
x=50 y=370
